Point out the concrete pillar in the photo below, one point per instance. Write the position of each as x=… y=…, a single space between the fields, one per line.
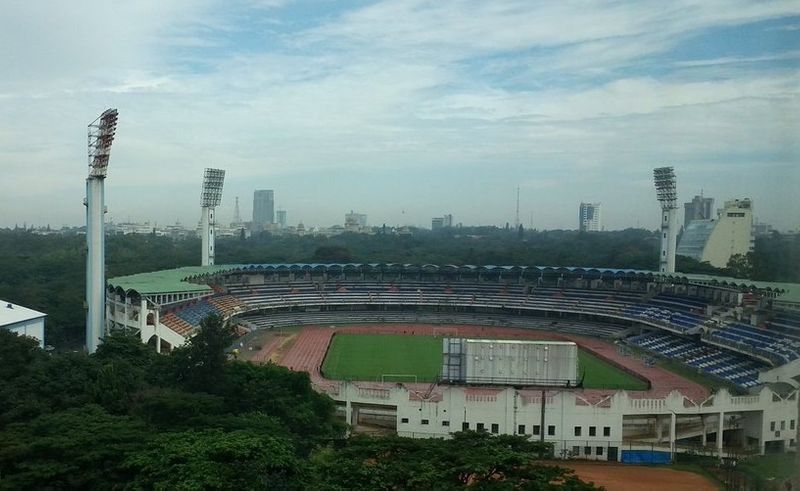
x=672 y=435
x=348 y=413
x=703 y=422
x=719 y=432
x=659 y=429
x=156 y=320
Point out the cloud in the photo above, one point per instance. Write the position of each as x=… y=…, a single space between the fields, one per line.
x=429 y=103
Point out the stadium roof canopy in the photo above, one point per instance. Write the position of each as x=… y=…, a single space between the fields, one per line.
x=189 y=279
x=166 y=281
x=791 y=291
x=12 y=314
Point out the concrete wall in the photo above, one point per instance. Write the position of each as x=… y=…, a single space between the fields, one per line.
x=507 y=410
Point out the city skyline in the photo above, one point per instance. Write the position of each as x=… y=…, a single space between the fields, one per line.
x=400 y=109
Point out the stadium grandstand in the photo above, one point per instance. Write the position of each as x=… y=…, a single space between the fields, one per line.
x=742 y=334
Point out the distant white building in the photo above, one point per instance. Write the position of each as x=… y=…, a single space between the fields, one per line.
x=354 y=222
x=718 y=239
x=22 y=320
x=590 y=217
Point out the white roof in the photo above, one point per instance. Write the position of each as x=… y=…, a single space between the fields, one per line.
x=16 y=313
x=520 y=341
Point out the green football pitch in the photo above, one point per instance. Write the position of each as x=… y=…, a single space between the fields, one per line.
x=398 y=358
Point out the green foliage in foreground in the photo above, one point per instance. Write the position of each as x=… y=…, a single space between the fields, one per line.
x=127 y=418
x=769 y=467
x=471 y=459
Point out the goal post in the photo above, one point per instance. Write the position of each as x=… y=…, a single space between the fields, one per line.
x=398 y=377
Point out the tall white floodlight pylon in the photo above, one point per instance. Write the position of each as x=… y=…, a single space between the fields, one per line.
x=667 y=194
x=210 y=198
x=101 y=135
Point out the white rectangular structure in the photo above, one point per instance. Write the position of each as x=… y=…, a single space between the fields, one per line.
x=22 y=320
x=511 y=362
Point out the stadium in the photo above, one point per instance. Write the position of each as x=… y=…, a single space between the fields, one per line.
x=654 y=364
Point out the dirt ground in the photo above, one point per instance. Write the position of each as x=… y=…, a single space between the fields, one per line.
x=624 y=477
x=268 y=345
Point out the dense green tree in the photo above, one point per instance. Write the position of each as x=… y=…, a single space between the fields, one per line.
x=213 y=459
x=478 y=460
x=199 y=364
x=740 y=266
x=77 y=448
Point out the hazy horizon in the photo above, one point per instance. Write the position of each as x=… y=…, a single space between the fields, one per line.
x=402 y=110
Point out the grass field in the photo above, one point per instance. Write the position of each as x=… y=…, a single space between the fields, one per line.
x=398 y=358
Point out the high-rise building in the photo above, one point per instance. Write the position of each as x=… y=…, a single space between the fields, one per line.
x=445 y=221
x=354 y=222
x=281 y=218
x=590 y=217
x=716 y=240
x=263 y=209
x=699 y=208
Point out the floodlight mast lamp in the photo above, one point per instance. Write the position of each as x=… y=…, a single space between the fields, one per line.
x=210 y=198
x=667 y=194
x=101 y=135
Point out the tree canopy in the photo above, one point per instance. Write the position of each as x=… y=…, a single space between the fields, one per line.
x=126 y=417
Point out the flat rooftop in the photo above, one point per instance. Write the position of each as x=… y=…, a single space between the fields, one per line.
x=11 y=313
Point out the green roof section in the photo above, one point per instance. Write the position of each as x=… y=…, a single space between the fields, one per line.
x=168 y=280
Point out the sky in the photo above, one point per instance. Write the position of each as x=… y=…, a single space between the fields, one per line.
x=402 y=110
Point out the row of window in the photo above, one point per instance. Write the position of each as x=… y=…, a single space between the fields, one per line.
x=587 y=451
x=593 y=431
x=783 y=425
x=535 y=429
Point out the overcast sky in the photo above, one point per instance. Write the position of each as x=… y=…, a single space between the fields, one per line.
x=402 y=110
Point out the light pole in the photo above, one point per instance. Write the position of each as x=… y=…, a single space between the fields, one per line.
x=210 y=198
x=667 y=194
x=101 y=135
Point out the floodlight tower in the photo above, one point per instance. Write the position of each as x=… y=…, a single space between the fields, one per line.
x=101 y=135
x=667 y=195
x=210 y=198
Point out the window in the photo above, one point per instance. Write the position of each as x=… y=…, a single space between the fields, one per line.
x=587 y=450
x=577 y=431
x=576 y=450
x=536 y=429
x=791 y=424
x=521 y=429
x=599 y=451
x=480 y=427
x=495 y=428
x=404 y=420
x=593 y=431
x=783 y=425
x=772 y=426
x=425 y=421
x=445 y=423
x=606 y=431
x=551 y=430
x=465 y=426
